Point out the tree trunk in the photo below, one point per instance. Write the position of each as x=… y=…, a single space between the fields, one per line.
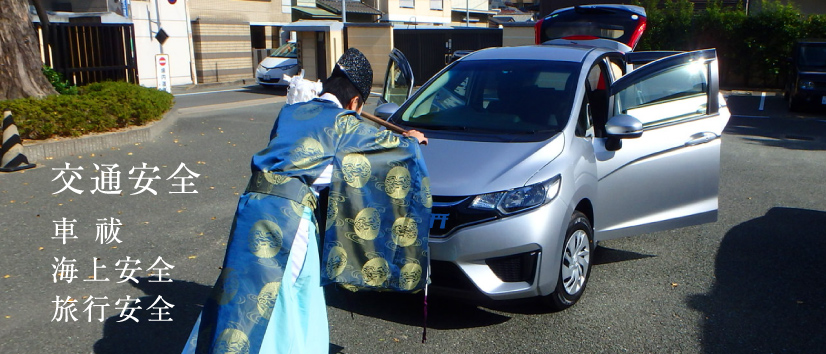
x=20 y=65
x=44 y=22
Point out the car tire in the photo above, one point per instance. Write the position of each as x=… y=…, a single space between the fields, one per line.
x=575 y=263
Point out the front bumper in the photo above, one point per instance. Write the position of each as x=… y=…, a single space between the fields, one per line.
x=513 y=257
x=272 y=77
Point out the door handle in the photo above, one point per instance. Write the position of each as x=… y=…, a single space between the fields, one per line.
x=701 y=138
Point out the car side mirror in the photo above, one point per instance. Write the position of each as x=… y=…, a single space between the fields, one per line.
x=621 y=127
x=624 y=126
x=386 y=110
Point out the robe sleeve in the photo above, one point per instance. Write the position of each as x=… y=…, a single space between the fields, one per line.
x=378 y=214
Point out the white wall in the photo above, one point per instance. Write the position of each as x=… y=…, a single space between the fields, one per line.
x=174 y=23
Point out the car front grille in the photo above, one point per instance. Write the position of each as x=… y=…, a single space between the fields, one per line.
x=451 y=212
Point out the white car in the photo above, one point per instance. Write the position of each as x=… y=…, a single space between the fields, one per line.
x=271 y=70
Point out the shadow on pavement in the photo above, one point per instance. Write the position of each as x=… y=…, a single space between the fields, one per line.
x=605 y=255
x=155 y=337
x=443 y=312
x=794 y=134
x=770 y=287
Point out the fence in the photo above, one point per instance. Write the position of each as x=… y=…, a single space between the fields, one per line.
x=87 y=53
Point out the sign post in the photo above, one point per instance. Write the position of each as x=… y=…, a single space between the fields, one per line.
x=162 y=72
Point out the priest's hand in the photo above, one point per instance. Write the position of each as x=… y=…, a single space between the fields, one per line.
x=416 y=134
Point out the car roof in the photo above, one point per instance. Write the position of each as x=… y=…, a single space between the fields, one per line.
x=570 y=53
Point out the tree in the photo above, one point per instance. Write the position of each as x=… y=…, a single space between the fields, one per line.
x=20 y=65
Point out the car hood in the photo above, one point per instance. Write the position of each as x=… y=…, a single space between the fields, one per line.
x=459 y=168
x=271 y=62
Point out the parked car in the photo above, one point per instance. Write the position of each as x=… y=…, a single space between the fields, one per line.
x=538 y=153
x=271 y=70
x=806 y=85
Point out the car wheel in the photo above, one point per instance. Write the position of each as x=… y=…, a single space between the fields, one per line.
x=575 y=264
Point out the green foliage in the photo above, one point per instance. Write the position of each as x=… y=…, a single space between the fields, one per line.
x=752 y=48
x=99 y=107
x=60 y=84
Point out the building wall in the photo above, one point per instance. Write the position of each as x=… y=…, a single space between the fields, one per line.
x=420 y=13
x=513 y=36
x=307 y=51
x=249 y=11
x=222 y=50
x=174 y=23
x=376 y=42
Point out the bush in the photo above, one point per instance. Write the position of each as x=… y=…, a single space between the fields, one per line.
x=60 y=84
x=98 y=107
x=752 y=48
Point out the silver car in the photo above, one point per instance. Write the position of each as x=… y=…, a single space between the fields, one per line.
x=537 y=153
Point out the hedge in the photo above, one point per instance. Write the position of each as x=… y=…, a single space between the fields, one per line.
x=98 y=107
x=752 y=48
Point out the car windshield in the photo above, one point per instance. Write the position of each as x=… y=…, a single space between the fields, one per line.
x=285 y=51
x=813 y=55
x=496 y=96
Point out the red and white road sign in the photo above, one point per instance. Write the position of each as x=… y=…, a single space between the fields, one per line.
x=162 y=61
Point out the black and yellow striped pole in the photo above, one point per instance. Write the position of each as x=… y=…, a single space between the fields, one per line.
x=11 y=152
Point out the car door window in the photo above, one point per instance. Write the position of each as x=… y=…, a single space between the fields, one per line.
x=674 y=94
x=396 y=86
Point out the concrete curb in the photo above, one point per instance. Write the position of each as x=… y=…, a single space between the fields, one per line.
x=40 y=151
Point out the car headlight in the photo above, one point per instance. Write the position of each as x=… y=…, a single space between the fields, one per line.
x=518 y=199
x=807 y=85
x=286 y=67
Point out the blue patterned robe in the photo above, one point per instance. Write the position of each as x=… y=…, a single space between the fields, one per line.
x=268 y=297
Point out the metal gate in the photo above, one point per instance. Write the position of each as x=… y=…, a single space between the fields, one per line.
x=87 y=53
x=429 y=50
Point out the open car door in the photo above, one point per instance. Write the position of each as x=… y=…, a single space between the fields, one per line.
x=398 y=81
x=669 y=176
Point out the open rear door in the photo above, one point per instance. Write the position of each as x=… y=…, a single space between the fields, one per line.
x=621 y=23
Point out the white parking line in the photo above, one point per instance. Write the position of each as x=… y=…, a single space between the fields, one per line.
x=762 y=100
x=205 y=92
x=743 y=116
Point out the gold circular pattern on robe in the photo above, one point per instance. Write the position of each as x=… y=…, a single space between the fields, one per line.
x=232 y=341
x=387 y=139
x=266 y=298
x=397 y=182
x=427 y=196
x=405 y=231
x=307 y=111
x=411 y=275
x=356 y=169
x=346 y=124
x=265 y=239
x=375 y=271
x=307 y=153
x=367 y=224
x=336 y=262
x=275 y=178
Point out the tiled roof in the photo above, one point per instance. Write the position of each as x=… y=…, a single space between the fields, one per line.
x=356 y=7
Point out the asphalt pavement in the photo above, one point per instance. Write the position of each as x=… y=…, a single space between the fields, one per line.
x=750 y=283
